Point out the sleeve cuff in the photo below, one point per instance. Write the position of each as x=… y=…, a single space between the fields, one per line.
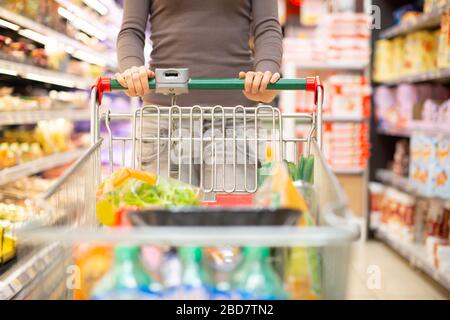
x=128 y=62
x=267 y=65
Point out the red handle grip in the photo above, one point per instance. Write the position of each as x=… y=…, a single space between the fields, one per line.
x=312 y=84
x=102 y=85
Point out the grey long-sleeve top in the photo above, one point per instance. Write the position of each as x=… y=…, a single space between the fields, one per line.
x=210 y=37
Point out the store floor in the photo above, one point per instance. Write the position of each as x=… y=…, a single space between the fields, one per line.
x=377 y=272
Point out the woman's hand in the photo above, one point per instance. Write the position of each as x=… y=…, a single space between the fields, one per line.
x=256 y=85
x=135 y=80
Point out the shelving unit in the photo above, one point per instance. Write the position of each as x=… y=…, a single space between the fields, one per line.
x=415 y=254
x=29 y=72
x=407 y=133
x=344 y=119
x=99 y=57
x=402 y=183
x=385 y=137
x=29 y=117
x=425 y=21
x=336 y=66
x=33 y=167
x=30 y=266
x=441 y=75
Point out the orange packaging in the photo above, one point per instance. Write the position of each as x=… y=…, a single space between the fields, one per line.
x=93 y=261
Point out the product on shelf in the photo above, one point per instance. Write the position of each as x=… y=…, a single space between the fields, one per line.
x=56 y=100
x=400 y=164
x=339 y=38
x=397 y=214
x=346 y=145
x=22 y=145
x=416 y=53
x=377 y=191
x=430 y=164
x=444 y=41
x=7 y=242
x=410 y=107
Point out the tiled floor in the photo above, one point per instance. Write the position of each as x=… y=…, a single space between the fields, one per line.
x=377 y=272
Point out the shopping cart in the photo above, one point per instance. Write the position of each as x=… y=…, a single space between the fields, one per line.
x=225 y=152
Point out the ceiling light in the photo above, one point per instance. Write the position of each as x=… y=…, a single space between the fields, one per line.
x=97 y=6
x=9 y=25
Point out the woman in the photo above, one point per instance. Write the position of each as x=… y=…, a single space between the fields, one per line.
x=211 y=38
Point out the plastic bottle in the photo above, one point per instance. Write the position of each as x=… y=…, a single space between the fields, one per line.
x=193 y=279
x=127 y=280
x=255 y=279
x=171 y=272
x=266 y=168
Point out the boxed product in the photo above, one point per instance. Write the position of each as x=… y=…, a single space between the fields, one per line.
x=383 y=61
x=423 y=162
x=444 y=41
x=421 y=51
x=442 y=171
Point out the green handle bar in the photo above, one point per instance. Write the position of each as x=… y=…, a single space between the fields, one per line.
x=309 y=84
x=226 y=84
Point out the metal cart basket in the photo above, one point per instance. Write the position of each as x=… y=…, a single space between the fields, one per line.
x=215 y=147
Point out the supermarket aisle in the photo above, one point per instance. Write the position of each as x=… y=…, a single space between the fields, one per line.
x=397 y=279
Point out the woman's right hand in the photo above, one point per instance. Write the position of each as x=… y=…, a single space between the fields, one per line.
x=135 y=80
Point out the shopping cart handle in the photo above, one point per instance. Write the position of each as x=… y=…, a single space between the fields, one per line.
x=309 y=84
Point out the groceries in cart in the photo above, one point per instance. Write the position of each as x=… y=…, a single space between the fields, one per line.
x=150 y=272
x=132 y=189
x=182 y=275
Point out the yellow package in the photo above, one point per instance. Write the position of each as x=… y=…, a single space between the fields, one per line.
x=444 y=41
x=278 y=191
x=383 y=63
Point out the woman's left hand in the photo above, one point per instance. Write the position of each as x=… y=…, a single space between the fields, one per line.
x=256 y=85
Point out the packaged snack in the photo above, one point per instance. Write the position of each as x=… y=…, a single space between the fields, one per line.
x=128 y=189
x=93 y=261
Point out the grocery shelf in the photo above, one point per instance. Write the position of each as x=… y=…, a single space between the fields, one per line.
x=333 y=66
x=402 y=183
x=80 y=13
x=59 y=37
x=27 y=268
x=416 y=255
x=29 y=117
x=355 y=171
x=441 y=75
x=33 y=167
x=406 y=133
x=425 y=21
x=345 y=119
x=43 y=75
x=402 y=133
x=341 y=119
